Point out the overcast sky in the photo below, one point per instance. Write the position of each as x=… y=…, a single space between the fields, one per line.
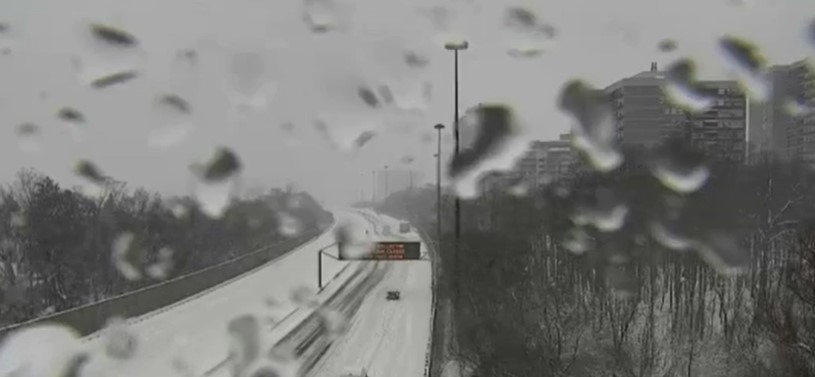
x=308 y=76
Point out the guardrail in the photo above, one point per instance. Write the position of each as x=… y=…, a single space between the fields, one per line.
x=428 y=365
x=90 y=318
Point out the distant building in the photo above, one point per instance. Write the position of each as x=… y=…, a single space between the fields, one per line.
x=644 y=116
x=720 y=131
x=543 y=163
x=776 y=130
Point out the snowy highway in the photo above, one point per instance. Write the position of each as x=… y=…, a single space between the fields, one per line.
x=190 y=338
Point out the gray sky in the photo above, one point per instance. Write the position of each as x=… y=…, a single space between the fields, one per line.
x=316 y=76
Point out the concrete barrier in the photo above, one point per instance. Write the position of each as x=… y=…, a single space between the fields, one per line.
x=92 y=317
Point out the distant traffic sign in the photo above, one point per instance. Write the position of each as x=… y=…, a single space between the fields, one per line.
x=394 y=251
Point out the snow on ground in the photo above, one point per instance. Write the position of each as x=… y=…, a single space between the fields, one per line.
x=388 y=338
x=191 y=338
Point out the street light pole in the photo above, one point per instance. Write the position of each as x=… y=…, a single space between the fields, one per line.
x=438 y=128
x=387 y=192
x=456 y=47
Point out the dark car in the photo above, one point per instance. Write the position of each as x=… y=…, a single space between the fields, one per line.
x=393 y=295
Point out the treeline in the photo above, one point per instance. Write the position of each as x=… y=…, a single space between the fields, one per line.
x=618 y=275
x=60 y=249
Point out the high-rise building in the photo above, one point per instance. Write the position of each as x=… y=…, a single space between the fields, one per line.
x=775 y=128
x=797 y=86
x=542 y=163
x=644 y=116
x=720 y=130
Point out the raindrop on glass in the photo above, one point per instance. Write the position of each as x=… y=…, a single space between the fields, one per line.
x=334 y=321
x=18 y=219
x=666 y=237
x=113 y=79
x=364 y=138
x=495 y=131
x=160 y=270
x=120 y=342
x=288 y=225
x=621 y=281
x=125 y=254
x=245 y=342
x=223 y=165
x=385 y=93
x=109 y=56
x=595 y=132
x=679 y=168
x=251 y=86
x=368 y=96
x=71 y=115
x=683 y=89
x=304 y=296
x=94 y=179
x=527 y=35
x=321 y=16
x=722 y=252
x=748 y=65
x=667 y=45
x=27 y=136
x=38 y=350
x=415 y=60
x=577 y=241
x=174 y=115
x=407 y=160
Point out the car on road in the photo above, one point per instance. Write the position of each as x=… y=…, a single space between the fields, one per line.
x=354 y=372
x=394 y=295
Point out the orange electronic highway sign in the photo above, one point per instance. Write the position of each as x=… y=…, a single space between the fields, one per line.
x=393 y=251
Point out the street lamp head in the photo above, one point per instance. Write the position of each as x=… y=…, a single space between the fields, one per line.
x=456 y=45
x=439 y=126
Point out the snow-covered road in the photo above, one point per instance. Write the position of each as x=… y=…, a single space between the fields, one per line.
x=190 y=338
x=388 y=338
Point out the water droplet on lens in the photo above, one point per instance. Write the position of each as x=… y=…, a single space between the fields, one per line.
x=113 y=79
x=527 y=35
x=113 y=36
x=683 y=89
x=368 y=96
x=749 y=66
x=244 y=332
x=413 y=59
x=667 y=45
x=321 y=16
x=173 y=114
x=668 y=238
x=304 y=296
x=160 y=270
x=577 y=241
x=125 y=254
x=386 y=94
x=109 y=56
x=364 y=138
x=595 y=133
x=679 y=167
x=810 y=32
x=71 y=115
x=39 y=350
x=621 y=281
x=407 y=160
x=288 y=225
x=120 y=343
x=335 y=323
x=27 y=136
x=494 y=128
x=223 y=165
x=723 y=253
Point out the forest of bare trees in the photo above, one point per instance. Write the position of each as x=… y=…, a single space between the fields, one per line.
x=60 y=249
x=617 y=275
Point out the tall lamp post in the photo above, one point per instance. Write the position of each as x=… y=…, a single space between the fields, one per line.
x=438 y=128
x=386 y=183
x=456 y=47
